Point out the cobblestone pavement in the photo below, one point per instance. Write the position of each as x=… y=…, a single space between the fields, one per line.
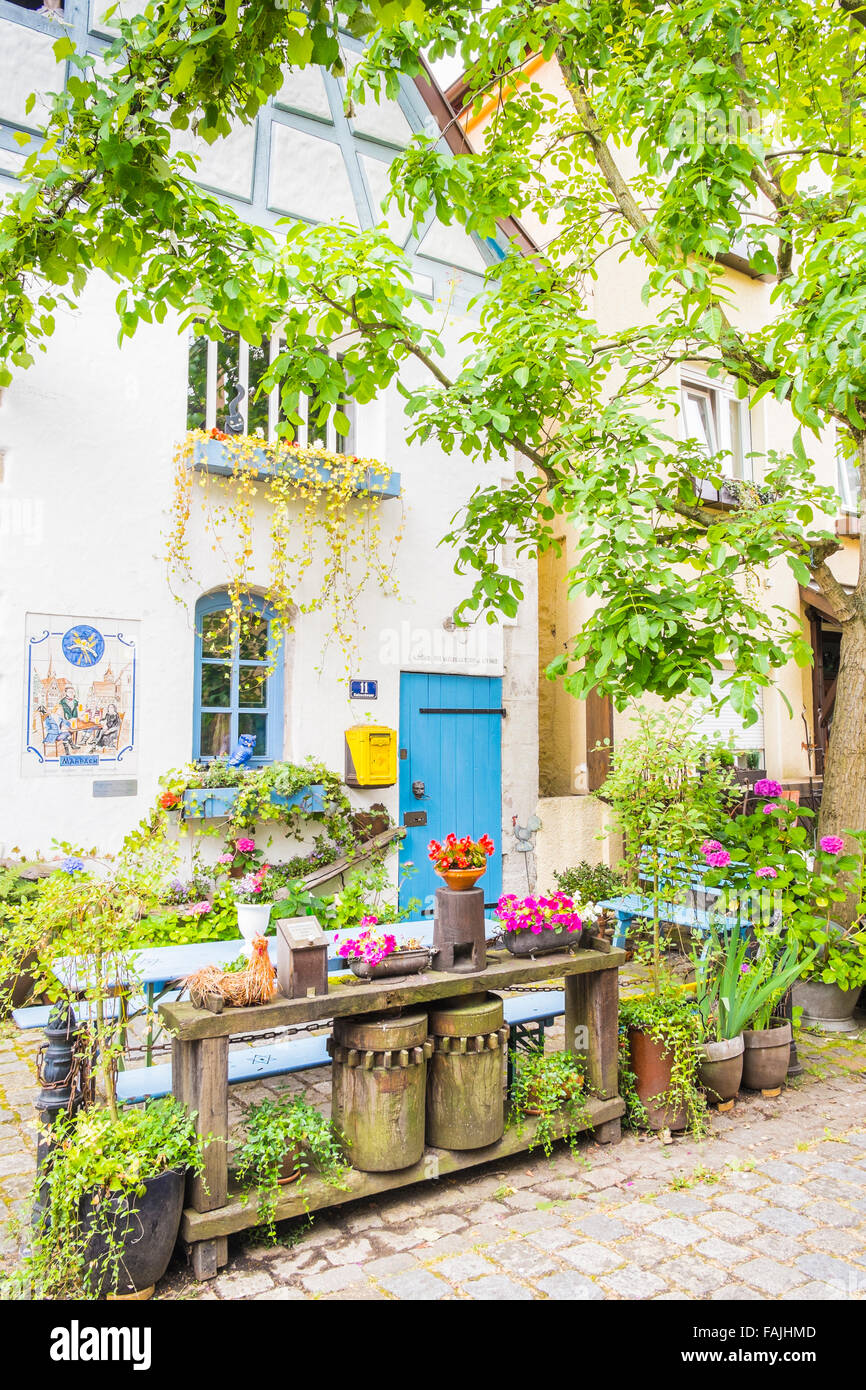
x=771 y=1205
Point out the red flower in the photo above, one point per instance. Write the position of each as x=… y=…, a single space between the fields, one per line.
x=168 y=801
x=217 y=434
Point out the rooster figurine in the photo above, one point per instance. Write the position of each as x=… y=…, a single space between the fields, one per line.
x=242 y=751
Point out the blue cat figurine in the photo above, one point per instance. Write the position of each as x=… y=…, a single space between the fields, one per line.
x=242 y=751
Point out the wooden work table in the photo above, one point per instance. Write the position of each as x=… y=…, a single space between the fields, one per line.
x=200 y=1046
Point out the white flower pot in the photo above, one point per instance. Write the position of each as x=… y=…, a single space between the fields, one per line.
x=253 y=919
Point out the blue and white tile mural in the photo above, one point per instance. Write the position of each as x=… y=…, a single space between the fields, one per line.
x=81 y=676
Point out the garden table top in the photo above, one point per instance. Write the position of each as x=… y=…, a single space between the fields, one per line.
x=502 y=971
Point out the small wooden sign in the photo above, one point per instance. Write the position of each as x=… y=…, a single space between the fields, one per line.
x=302 y=957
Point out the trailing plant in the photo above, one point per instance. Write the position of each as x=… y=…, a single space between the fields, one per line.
x=549 y=1086
x=668 y=1017
x=275 y=1128
x=84 y=1198
x=589 y=883
x=324 y=525
x=257 y=786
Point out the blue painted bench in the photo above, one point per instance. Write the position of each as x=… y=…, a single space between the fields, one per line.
x=538 y=1007
x=36 y=1015
x=696 y=920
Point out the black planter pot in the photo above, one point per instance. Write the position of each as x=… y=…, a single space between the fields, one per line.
x=147 y=1227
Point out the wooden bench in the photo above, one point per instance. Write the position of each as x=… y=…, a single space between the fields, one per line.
x=538 y=1008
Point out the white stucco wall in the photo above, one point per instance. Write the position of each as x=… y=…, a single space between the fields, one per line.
x=87 y=437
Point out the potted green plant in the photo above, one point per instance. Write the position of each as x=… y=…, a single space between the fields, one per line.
x=740 y=982
x=669 y=790
x=460 y=862
x=284 y=1140
x=539 y=924
x=550 y=1088
x=109 y=1186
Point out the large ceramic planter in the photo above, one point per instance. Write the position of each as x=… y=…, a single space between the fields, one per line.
x=407 y=962
x=766 y=1056
x=458 y=880
x=253 y=919
x=530 y=943
x=147 y=1227
x=652 y=1066
x=826 y=1007
x=720 y=1068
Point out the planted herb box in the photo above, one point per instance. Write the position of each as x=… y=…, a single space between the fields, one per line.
x=211 y=803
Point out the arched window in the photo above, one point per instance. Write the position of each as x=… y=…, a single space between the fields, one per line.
x=236 y=692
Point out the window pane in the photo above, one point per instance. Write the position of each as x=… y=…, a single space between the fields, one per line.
x=255 y=724
x=738 y=453
x=196 y=386
x=216 y=686
x=215 y=735
x=346 y=442
x=216 y=637
x=257 y=407
x=253 y=686
x=254 y=638
x=698 y=420
x=228 y=375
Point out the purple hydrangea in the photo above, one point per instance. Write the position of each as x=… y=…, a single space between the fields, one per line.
x=72 y=865
x=765 y=786
x=832 y=844
x=766 y=871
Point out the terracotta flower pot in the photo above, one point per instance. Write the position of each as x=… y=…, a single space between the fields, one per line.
x=720 y=1069
x=766 y=1057
x=458 y=880
x=652 y=1065
x=290 y=1168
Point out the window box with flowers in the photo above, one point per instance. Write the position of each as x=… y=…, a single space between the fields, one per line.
x=218 y=453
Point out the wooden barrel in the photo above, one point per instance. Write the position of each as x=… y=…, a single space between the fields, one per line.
x=378 y=1085
x=466 y=1082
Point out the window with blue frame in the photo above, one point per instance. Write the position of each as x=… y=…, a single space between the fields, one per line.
x=238 y=685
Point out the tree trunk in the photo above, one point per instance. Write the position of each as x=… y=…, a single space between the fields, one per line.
x=843 y=802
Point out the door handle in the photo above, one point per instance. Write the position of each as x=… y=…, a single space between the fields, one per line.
x=418 y=791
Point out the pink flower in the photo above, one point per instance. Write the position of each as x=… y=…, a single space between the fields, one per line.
x=766 y=787
x=832 y=844
x=720 y=859
x=198 y=909
x=766 y=872
x=225 y=859
x=769 y=808
x=246 y=846
x=710 y=847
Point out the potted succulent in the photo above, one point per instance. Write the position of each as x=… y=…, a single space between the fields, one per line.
x=460 y=862
x=284 y=1140
x=376 y=954
x=549 y=1086
x=537 y=925
x=109 y=1185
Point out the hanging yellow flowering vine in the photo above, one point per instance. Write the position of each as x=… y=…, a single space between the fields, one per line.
x=321 y=506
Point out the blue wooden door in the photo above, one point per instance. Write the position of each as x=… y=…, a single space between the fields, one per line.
x=451 y=742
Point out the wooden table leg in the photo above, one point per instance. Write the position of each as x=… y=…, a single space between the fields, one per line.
x=200 y=1082
x=592 y=1033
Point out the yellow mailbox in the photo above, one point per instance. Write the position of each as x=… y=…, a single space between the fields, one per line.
x=371 y=756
